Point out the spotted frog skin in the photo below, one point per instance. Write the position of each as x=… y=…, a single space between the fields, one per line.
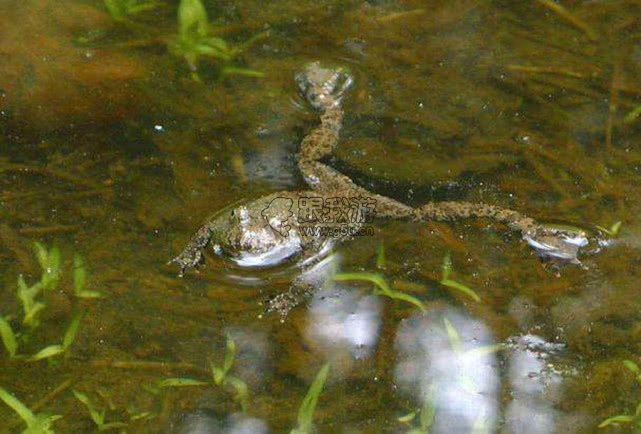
x=268 y=231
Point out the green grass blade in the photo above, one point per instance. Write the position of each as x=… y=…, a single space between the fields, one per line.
x=138 y=8
x=181 y=382
x=382 y=286
x=98 y=417
x=42 y=424
x=72 y=330
x=621 y=418
x=192 y=19
x=246 y=72
x=47 y=352
x=41 y=255
x=230 y=355
x=374 y=278
x=218 y=374
x=79 y=274
x=31 y=316
x=27 y=294
x=447 y=266
x=407 y=418
x=8 y=337
x=21 y=410
x=242 y=392
x=112 y=425
x=408 y=298
x=53 y=269
x=632 y=115
x=462 y=288
x=89 y=294
x=452 y=336
x=249 y=42
x=307 y=407
x=632 y=367
x=207 y=50
x=428 y=410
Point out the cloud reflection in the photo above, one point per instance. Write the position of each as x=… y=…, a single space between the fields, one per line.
x=452 y=354
x=534 y=384
x=237 y=423
x=342 y=320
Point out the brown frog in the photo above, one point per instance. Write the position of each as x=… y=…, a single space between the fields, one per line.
x=280 y=226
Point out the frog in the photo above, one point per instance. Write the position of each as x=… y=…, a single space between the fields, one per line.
x=274 y=228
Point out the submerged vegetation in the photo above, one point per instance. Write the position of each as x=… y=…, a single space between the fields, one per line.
x=34 y=301
x=122 y=11
x=633 y=419
x=308 y=406
x=36 y=423
x=453 y=284
x=381 y=287
x=219 y=377
x=97 y=416
x=425 y=415
x=195 y=40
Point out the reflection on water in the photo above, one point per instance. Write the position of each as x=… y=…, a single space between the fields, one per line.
x=535 y=385
x=344 y=322
x=441 y=354
x=233 y=424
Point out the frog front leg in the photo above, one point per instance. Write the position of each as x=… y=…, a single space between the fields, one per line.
x=192 y=254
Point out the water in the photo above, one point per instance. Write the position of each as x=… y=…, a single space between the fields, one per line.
x=112 y=149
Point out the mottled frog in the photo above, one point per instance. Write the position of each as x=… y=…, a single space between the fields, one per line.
x=280 y=226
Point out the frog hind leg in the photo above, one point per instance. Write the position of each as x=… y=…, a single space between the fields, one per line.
x=192 y=254
x=547 y=242
x=284 y=302
x=332 y=183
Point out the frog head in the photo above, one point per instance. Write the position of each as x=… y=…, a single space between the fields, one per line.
x=323 y=87
x=255 y=234
x=563 y=243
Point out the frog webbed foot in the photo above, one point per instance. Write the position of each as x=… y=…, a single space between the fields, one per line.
x=188 y=258
x=323 y=87
x=283 y=303
x=192 y=255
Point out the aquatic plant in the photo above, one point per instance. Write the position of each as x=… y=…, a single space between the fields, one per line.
x=381 y=287
x=195 y=40
x=613 y=230
x=33 y=301
x=219 y=374
x=455 y=341
x=634 y=419
x=219 y=377
x=36 y=423
x=97 y=416
x=79 y=279
x=307 y=407
x=425 y=414
x=450 y=283
x=49 y=261
x=121 y=11
x=632 y=115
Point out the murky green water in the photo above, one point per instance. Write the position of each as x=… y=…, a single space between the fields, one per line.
x=114 y=150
